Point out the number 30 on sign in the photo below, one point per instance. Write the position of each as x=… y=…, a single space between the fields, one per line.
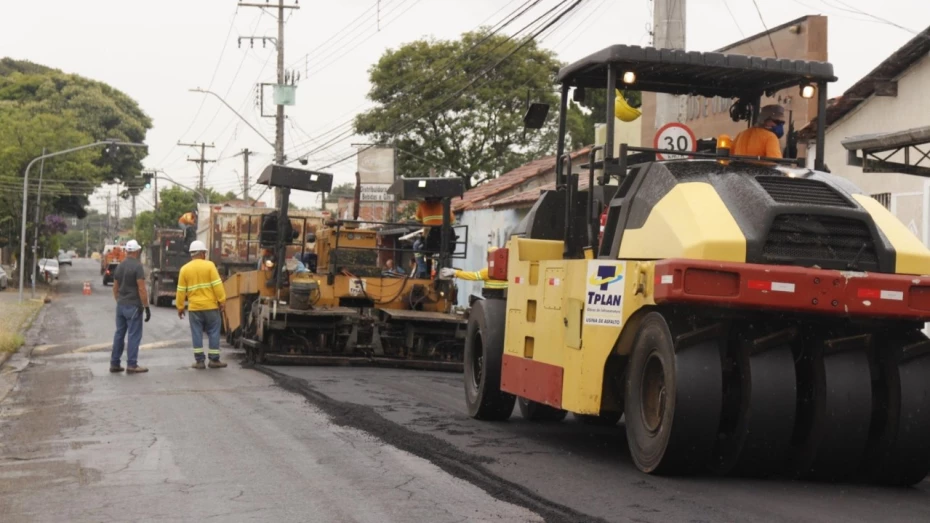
x=675 y=136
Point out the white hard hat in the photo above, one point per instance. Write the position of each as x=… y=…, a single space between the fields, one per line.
x=198 y=246
x=133 y=246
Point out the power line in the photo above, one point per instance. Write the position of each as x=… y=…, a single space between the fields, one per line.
x=443 y=104
x=349 y=125
x=853 y=9
x=767 y=33
x=232 y=23
x=497 y=27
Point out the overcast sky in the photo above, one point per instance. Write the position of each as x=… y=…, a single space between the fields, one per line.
x=156 y=50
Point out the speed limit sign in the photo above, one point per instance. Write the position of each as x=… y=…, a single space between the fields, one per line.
x=675 y=136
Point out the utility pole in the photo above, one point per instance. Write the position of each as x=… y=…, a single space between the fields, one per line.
x=133 y=208
x=245 y=173
x=35 y=239
x=669 y=27
x=108 y=217
x=117 y=204
x=282 y=194
x=199 y=161
x=155 y=187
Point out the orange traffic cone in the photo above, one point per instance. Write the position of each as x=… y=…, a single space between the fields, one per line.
x=87 y=288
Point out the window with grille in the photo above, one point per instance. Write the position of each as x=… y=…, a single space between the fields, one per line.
x=883 y=198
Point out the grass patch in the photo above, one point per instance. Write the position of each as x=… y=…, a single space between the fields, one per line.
x=16 y=318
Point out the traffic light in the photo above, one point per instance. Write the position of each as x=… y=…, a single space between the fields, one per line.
x=147 y=180
x=111 y=150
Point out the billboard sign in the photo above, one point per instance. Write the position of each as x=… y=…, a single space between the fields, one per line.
x=375 y=192
x=376 y=165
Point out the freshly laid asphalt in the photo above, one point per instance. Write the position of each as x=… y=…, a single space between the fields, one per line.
x=277 y=443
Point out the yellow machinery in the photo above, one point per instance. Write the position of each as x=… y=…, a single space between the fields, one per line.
x=341 y=308
x=744 y=315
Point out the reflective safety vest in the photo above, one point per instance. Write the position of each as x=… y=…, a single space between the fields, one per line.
x=481 y=276
x=430 y=213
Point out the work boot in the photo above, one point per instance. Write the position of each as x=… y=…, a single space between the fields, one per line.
x=216 y=364
x=138 y=369
x=198 y=365
x=116 y=369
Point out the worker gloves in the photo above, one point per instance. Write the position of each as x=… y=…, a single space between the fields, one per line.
x=148 y=314
x=447 y=273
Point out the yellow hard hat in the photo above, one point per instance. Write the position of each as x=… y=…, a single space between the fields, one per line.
x=491 y=249
x=623 y=110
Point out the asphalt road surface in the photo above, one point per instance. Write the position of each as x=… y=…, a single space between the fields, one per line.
x=80 y=444
x=331 y=444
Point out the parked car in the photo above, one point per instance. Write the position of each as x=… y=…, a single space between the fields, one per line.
x=4 y=280
x=50 y=266
x=64 y=258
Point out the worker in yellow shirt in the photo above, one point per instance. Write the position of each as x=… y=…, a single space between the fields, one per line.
x=200 y=284
x=762 y=138
x=482 y=276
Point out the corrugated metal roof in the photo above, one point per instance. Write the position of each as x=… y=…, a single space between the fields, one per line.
x=890 y=69
x=888 y=141
x=473 y=198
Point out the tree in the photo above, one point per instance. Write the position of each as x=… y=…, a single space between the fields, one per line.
x=144 y=227
x=582 y=116
x=343 y=190
x=476 y=134
x=41 y=108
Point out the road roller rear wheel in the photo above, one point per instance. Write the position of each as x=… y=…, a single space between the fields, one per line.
x=759 y=409
x=899 y=446
x=484 y=350
x=673 y=400
x=535 y=411
x=834 y=409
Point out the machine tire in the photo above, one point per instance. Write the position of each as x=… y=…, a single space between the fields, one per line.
x=152 y=298
x=673 y=400
x=484 y=351
x=535 y=411
x=899 y=446
x=606 y=419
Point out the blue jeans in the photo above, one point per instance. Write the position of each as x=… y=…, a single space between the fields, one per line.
x=209 y=322
x=128 y=319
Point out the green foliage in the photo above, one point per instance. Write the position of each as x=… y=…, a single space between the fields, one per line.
x=46 y=108
x=583 y=116
x=173 y=202
x=477 y=135
x=343 y=190
x=144 y=227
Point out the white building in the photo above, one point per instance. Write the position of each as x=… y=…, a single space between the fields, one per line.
x=895 y=96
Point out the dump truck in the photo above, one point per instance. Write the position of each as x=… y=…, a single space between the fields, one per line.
x=112 y=256
x=168 y=253
x=232 y=234
x=340 y=308
x=745 y=315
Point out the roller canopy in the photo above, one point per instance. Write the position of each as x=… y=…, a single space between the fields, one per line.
x=293 y=178
x=676 y=71
x=422 y=188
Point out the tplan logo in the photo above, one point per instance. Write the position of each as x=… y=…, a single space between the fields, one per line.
x=606 y=275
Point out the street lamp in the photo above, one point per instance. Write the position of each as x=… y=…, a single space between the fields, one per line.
x=111 y=144
x=203 y=198
x=218 y=97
